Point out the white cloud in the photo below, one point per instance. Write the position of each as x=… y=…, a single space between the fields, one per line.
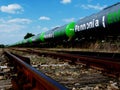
x=96 y=7
x=10 y=28
x=12 y=8
x=20 y=20
x=69 y=20
x=65 y=1
x=15 y=21
x=44 y=18
x=38 y=27
x=41 y=29
x=45 y=29
x=13 y=29
x=13 y=24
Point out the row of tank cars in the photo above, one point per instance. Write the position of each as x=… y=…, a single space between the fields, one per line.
x=103 y=23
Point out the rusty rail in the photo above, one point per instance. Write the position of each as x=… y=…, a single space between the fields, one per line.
x=111 y=66
x=28 y=78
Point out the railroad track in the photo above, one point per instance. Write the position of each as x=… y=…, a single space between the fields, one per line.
x=27 y=77
x=108 y=65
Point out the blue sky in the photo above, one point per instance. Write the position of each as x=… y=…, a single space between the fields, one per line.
x=18 y=17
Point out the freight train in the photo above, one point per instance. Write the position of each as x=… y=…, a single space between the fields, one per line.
x=105 y=22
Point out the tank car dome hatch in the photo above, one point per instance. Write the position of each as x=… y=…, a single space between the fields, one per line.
x=70 y=30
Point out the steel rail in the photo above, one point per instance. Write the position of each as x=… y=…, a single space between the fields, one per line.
x=33 y=79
